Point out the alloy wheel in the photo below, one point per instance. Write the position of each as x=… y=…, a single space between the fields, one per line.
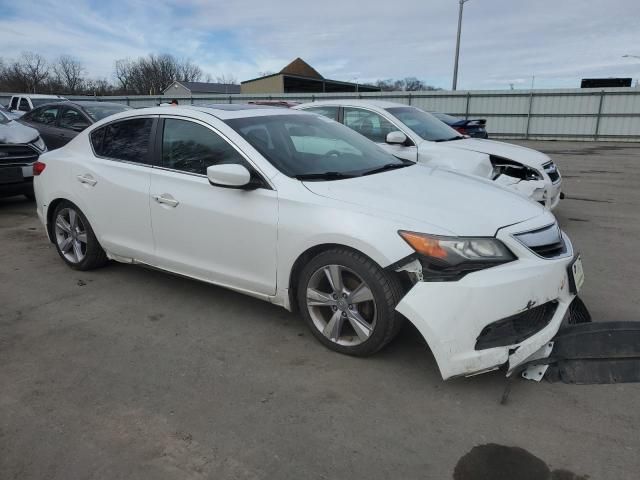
x=341 y=305
x=71 y=235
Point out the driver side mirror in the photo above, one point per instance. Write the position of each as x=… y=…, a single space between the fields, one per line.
x=396 y=138
x=231 y=176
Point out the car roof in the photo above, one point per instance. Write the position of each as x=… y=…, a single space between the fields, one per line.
x=93 y=103
x=79 y=103
x=222 y=111
x=38 y=95
x=355 y=102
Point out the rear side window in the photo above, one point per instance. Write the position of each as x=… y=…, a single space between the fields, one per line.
x=72 y=119
x=126 y=140
x=14 y=103
x=190 y=147
x=329 y=112
x=46 y=116
x=24 y=105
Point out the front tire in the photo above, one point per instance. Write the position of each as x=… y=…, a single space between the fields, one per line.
x=349 y=302
x=75 y=241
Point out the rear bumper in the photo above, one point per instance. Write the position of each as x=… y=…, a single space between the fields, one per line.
x=452 y=315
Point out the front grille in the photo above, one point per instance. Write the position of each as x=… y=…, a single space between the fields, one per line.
x=17 y=154
x=551 y=170
x=546 y=242
x=516 y=328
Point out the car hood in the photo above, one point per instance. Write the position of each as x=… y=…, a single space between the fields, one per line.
x=455 y=203
x=524 y=155
x=436 y=154
x=14 y=132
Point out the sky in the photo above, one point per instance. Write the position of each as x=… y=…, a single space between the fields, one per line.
x=504 y=42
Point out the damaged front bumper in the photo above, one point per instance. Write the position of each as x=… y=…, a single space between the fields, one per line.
x=466 y=322
x=544 y=192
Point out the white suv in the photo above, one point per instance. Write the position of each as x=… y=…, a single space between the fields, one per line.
x=21 y=104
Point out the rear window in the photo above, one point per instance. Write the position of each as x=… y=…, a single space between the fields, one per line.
x=126 y=140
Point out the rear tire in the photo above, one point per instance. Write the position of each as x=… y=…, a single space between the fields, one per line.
x=74 y=239
x=349 y=302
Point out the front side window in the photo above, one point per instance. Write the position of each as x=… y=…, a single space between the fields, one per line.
x=46 y=115
x=424 y=124
x=72 y=119
x=329 y=112
x=24 y=105
x=126 y=140
x=309 y=145
x=192 y=148
x=370 y=124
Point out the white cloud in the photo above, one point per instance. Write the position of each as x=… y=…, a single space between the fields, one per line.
x=558 y=42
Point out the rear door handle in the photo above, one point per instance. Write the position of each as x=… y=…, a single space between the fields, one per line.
x=166 y=199
x=88 y=179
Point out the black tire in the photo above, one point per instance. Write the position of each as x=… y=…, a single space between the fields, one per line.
x=385 y=289
x=94 y=256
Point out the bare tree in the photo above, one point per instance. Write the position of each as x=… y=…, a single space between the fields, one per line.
x=35 y=70
x=227 y=79
x=150 y=75
x=408 y=84
x=69 y=73
x=123 y=73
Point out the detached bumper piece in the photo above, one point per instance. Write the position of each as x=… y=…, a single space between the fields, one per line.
x=593 y=353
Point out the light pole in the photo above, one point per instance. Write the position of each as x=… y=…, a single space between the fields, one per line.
x=632 y=56
x=455 y=65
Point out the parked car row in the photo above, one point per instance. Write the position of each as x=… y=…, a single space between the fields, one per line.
x=377 y=215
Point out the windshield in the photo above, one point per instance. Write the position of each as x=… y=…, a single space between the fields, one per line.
x=98 y=112
x=311 y=146
x=4 y=116
x=424 y=124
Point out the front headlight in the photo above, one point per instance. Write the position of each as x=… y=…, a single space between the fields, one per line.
x=39 y=144
x=504 y=166
x=453 y=257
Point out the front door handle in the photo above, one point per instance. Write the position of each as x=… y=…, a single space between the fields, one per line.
x=87 y=179
x=166 y=199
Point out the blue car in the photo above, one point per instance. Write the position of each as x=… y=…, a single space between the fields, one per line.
x=473 y=128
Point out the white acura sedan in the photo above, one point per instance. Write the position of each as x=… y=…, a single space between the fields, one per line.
x=303 y=212
x=416 y=135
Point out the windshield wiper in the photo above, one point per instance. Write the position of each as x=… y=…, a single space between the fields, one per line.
x=323 y=176
x=388 y=166
x=457 y=137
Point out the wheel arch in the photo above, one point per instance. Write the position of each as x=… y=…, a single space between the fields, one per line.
x=51 y=209
x=307 y=255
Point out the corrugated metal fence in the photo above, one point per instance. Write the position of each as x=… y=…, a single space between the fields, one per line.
x=570 y=114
